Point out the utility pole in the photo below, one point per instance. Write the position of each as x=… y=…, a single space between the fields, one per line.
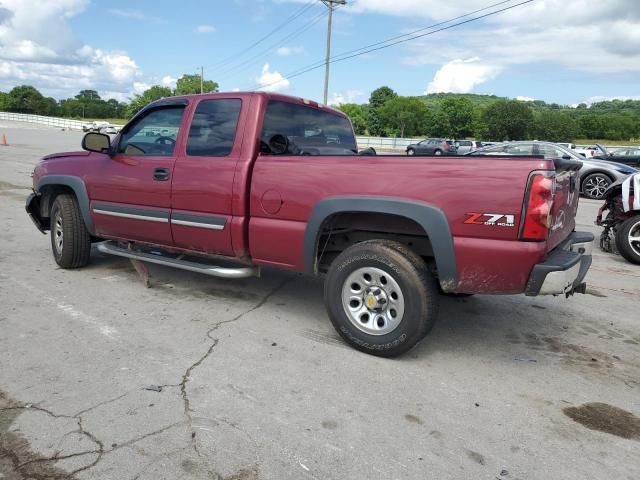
x=330 y=5
x=201 y=80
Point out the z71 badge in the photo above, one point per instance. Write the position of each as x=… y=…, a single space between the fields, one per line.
x=490 y=219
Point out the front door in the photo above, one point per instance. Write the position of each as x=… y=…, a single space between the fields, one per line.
x=203 y=177
x=130 y=191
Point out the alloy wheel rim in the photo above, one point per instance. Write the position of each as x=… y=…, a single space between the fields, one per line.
x=373 y=301
x=58 y=234
x=634 y=237
x=596 y=186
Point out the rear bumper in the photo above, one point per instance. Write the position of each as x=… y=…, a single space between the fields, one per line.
x=565 y=268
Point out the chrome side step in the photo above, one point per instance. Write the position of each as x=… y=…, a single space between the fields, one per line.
x=208 y=269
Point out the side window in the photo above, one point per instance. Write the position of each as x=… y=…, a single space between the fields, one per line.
x=550 y=152
x=213 y=128
x=314 y=129
x=519 y=149
x=154 y=133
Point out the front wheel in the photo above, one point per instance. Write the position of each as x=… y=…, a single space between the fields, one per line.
x=381 y=297
x=411 y=152
x=594 y=185
x=70 y=240
x=628 y=239
x=437 y=153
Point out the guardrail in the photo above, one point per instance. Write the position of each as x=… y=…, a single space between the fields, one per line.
x=42 y=120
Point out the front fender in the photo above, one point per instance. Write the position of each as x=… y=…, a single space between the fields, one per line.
x=79 y=189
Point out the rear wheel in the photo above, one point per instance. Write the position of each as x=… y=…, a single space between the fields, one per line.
x=628 y=239
x=438 y=152
x=380 y=297
x=594 y=185
x=70 y=240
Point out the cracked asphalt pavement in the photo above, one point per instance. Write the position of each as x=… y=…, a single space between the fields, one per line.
x=204 y=378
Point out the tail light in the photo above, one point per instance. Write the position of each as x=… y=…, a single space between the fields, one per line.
x=537 y=216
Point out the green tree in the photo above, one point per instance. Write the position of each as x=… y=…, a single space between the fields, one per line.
x=152 y=94
x=508 y=120
x=88 y=96
x=189 y=84
x=3 y=101
x=380 y=96
x=459 y=114
x=357 y=115
x=404 y=116
x=554 y=126
x=25 y=99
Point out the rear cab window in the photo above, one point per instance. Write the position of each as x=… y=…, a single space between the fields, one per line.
x=309 y=130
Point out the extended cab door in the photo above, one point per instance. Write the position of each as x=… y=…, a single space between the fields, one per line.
x=130 y=191
x=203 y=178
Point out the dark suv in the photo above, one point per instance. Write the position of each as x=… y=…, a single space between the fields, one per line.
x=432 y=146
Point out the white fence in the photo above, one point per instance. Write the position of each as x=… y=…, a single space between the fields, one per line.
x=42 y=120
x=386 y=142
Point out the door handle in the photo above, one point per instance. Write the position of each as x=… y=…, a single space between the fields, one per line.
x=161 y=174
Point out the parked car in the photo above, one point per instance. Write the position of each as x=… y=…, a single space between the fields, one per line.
x=465 y=146
x=255 y=179
x=94 y=126
x=595 y=176
x=432 y=146
x=628 y=156
x=586 y=152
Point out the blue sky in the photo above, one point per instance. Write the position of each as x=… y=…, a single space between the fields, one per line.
x=564 y=51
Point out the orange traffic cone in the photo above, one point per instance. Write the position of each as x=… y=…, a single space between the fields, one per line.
x=4 y=141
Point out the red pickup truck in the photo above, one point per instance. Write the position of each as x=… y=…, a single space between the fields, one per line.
x=226 y=183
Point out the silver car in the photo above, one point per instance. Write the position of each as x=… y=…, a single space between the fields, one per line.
x=466 y=146
x=595 y=175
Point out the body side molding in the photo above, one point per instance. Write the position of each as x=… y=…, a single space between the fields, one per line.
x=430 y=218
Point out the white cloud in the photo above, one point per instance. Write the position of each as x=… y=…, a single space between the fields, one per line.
x=132 y=14
x=522 y=98
x=37 y=47
x=272 y=81
x=462 y=76
x=602 y=98
x=589 y=36
x=169 y=81
x=287 y=51
x=349 y=96
x=205 y=29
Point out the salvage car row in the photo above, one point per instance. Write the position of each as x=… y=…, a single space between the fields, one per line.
x=598 y=171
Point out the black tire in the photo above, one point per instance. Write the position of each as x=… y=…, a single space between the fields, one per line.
x=411 y=152
x=437 y=153
x=418 y=294
x=70 y=240
x=594 y=185
x=630 y=250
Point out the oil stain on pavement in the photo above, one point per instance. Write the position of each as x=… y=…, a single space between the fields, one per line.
x=17 y=460
x=606 y=418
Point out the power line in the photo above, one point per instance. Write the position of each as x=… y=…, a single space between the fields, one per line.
x=404 y=35
x=292 y=36
x=369 y=50
x=282 y=25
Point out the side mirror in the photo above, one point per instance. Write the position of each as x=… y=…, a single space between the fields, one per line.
x=278 y=144
x=96 y=142
x=567 y=157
